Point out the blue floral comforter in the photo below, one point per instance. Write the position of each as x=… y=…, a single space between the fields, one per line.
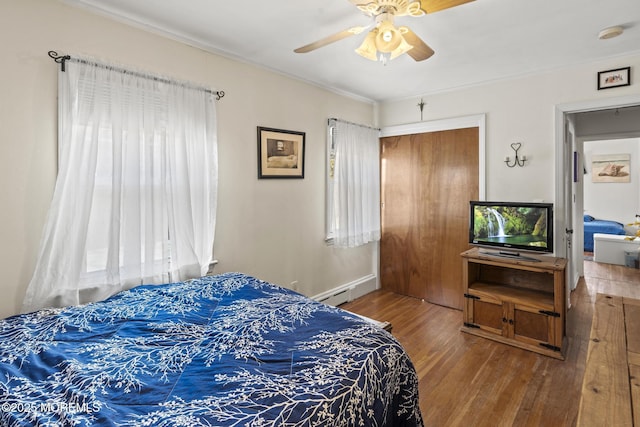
x=226 y=350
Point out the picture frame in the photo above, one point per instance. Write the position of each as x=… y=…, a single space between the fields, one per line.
x=280 y=153
x=614 y=78
x=612 y=168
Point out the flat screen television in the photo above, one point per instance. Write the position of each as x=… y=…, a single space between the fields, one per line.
x=512 y=227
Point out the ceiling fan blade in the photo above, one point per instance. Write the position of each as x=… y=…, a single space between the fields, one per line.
x=420 y=50
x=431 y=6
x=330 y=39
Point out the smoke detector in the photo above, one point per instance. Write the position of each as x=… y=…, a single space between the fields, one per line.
x=611 y=32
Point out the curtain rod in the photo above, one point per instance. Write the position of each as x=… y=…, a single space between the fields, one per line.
x=351 y=123
x=61 y=59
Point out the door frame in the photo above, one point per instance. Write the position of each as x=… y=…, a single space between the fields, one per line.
x=563 y=197
x=462 y=122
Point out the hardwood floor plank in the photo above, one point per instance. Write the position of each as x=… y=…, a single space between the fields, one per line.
x=634 y=372
x=465 y=380
x=632 y=325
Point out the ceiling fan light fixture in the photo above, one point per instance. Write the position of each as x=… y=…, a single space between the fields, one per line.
x=403 y=48
x=384 y=43
x=388 y=38
x=368 y=47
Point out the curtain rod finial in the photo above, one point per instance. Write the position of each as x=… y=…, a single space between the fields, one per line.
x=59 y=59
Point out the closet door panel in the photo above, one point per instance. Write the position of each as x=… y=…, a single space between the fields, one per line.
x=400 y=251
x=427 y=182
x=452 y=182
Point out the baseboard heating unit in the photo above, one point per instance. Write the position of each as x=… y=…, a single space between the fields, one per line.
x=348 y=291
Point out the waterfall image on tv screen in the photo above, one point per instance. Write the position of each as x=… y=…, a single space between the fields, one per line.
x=510 y=226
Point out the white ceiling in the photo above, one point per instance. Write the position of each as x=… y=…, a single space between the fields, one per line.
x=476 y=42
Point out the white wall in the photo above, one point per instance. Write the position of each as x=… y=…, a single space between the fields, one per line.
x=273 y=229
x=612 y=201
x=518 y=110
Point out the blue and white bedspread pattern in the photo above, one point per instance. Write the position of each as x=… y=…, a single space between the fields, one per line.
x=226 y=350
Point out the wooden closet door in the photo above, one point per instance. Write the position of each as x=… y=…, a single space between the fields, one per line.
x=427 y=181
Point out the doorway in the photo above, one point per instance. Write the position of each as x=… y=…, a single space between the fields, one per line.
x=569 y=189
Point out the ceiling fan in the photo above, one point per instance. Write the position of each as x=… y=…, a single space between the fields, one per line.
x=386 y=41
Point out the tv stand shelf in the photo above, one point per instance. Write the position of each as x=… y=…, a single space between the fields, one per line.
x=516 y=301
x=539 y=299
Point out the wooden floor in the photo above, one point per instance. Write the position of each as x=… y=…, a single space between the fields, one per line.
x=470 y=381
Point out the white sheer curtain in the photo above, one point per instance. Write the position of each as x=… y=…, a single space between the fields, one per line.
x=135 y=197
x=355 y=214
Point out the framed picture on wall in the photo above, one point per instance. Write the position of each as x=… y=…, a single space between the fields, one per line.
x=611 y=168
x=614 y=78
x=280 y=153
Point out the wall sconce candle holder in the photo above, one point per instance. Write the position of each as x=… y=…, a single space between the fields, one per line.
x=517 y=161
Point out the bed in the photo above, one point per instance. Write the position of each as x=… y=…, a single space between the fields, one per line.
x=225 y=350
x=593 y=226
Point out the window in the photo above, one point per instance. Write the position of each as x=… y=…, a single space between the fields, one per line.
x=353 y=184
x=135 y=196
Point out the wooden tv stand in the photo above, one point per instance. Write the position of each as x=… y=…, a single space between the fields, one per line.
x=520 y=302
